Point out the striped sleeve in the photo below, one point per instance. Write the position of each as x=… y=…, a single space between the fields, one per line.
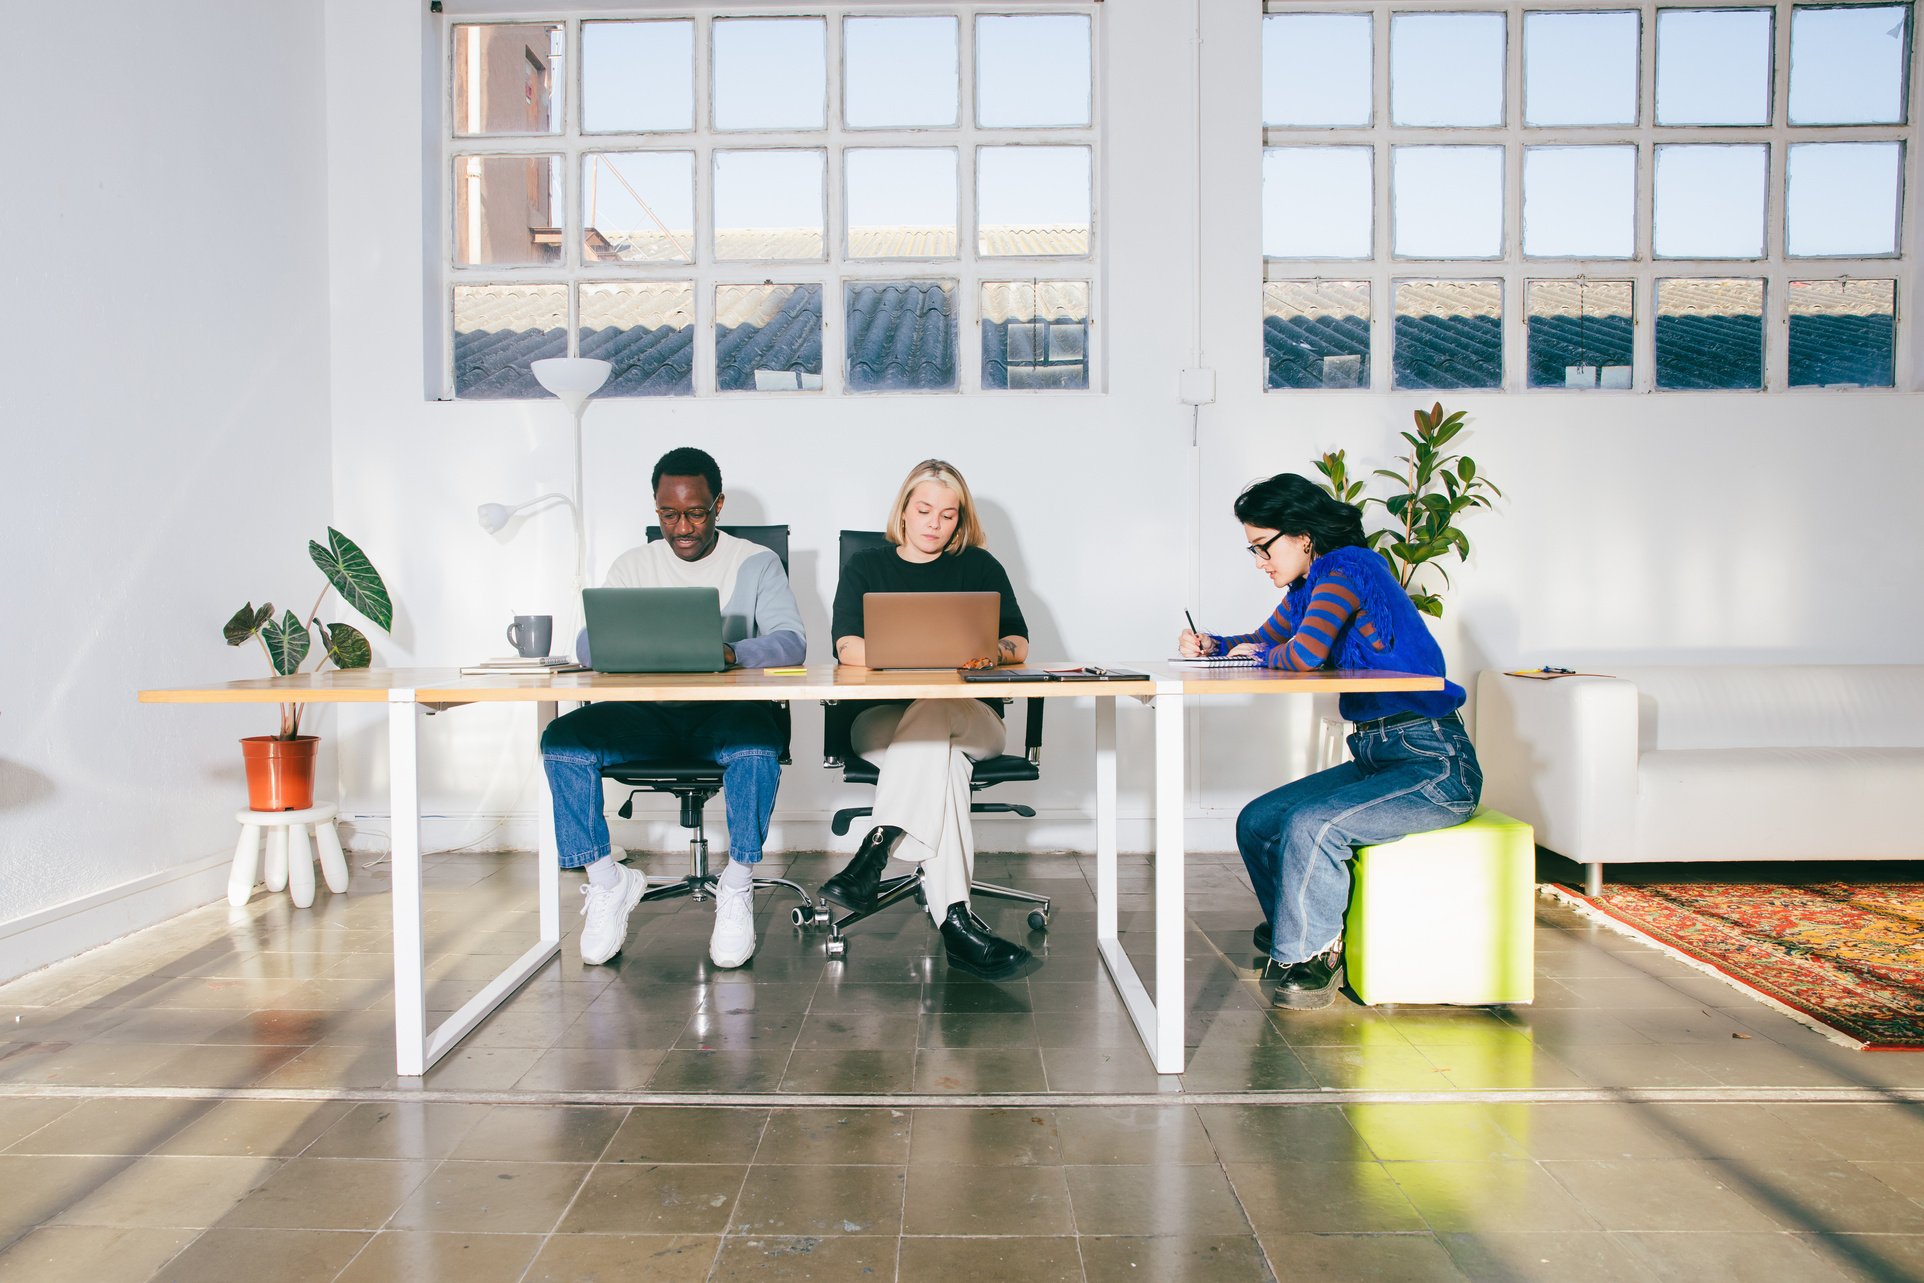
x=1274 y=632
x=1308 y=649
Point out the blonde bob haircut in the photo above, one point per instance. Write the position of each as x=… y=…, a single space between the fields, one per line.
x=968 y=530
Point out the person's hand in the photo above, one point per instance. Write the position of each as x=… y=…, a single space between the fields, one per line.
x=728 y=654
x=981 y=662
x=1194 y=645
x=1246 y=648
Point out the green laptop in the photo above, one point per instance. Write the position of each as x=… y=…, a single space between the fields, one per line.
x=654 y=630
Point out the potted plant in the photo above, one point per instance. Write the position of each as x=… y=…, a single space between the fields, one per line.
x=1437 y=489
x=280 y=768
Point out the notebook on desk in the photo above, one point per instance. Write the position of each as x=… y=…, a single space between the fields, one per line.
x=654 y=630
x=929 y=629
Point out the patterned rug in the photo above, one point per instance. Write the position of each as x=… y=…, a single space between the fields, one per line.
x=1850 y=956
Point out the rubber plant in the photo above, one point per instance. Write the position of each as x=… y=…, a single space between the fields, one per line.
x=1437 y=489
x=289 y=640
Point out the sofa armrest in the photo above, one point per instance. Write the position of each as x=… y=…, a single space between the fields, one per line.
x=1562 y=754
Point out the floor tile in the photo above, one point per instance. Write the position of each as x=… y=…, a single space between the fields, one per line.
x=656 y=1198
x=1173 y=1258
x=169 y=1191
x=1719 y=1253
x=992 y=1137
x=398 y=1130
x=1661 y=1194
x=791 y=1260
x=1569 y=1257
x=493 y=1196
x=1033 y=1259
x=1155 y=1135
x=224 y=1255
x=1824 y=1197
x=330 y=1194
x=812 y=1136
x=719 y=1071
x=1106 y=1070
x=276 y=1128
x=1474 y=1197
x=849 y=1071
x=948 y=1199
x=1322 y=1198
x=1305 y=1133
x=1380 y=1258
x=658 y=1258
x=1154 y=1200
x=91 y=1254
x=442 y=1258
x=108 y=1126
x=1471 y=1132
x=820 y=1200
x=973 y=1070
x=665 y=1134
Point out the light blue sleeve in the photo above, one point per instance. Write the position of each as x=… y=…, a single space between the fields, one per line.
x=778 y=638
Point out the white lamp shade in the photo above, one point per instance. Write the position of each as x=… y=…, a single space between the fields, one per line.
x=572 y=378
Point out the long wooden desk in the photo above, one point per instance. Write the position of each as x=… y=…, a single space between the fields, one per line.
x=408 y=693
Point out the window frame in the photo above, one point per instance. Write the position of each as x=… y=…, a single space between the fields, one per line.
x=1776 y=268
x=836 y=268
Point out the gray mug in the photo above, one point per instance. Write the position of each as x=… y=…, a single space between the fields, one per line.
x=531 y=635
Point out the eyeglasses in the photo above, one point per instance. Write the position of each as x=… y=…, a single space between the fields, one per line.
x=675 y=516
x=1260 y=551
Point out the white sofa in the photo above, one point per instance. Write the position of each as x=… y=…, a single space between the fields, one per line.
x=1724 y=762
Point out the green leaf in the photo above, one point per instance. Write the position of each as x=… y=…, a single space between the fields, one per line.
x=1466 y=468
x=346 y=646
x=243 y=625
x=1429 y=603
x=354 y=577
x=287 y=643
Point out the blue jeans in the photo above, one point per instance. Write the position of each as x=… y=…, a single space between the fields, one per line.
x=744 y=738
x=1296 y=841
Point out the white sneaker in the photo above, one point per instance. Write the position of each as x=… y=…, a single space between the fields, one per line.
x=607 y=913
x=733 y=941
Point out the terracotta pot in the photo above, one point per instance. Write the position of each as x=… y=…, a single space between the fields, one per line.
x=280 y=773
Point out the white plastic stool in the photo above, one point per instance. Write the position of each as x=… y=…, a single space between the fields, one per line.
x=1332 y=743
x=290 y=862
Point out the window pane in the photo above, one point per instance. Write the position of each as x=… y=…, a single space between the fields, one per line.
x=1840 y=333
x=1032 y=71
x=507 y=78
x=1847 y=65
x=1317 y=202
x=901 y=336
x=498 y=329
x=900 y=71
x=638 y=207
x=1710 y=201
x=768 y=204
x=1843 y=198
x=507 y=210
x=646 y=330
x=1580 y=68
x=1579 y=333
x=638 y=76
x=901 y=202
x=1449 y=334
x=1316 y=334
x=1580 y=202
x=1713 y=66
x=1035 y=334
x=768 y=338
x=770 y=73
x=1447 y=202
x=1032 y=200
x=1317 y=69
x=1446 y=68
x=1710 y=333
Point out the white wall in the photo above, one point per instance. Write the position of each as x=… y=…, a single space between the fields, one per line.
x=166 y=438
x=1746 y=527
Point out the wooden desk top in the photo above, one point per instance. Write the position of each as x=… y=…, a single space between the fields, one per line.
x=820 y=681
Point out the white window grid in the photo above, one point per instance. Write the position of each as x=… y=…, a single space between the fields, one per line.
x=1383 y=269
x=968 y=269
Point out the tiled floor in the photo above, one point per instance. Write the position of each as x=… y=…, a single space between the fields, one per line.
x=215 y=1099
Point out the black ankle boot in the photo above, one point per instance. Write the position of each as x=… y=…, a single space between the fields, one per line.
x=971 y=948
x=1262 y=937
x=854 y=887
x=1311 y=984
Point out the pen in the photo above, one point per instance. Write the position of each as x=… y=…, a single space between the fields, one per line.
x=1192 y=621
x=784 y=672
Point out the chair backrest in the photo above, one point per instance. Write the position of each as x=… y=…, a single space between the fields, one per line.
x=855 y=542
x=773 y=538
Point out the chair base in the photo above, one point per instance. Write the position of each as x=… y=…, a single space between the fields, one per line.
x=699 y=883
x=892 y=891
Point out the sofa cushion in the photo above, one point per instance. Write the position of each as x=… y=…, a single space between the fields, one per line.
x=1779 y=706
x=1780 y=803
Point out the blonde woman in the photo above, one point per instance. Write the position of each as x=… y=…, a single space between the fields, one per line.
x=924 y=751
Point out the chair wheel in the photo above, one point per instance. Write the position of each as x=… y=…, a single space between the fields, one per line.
x=801 y=915
x=837 y=948
x=1038 y=919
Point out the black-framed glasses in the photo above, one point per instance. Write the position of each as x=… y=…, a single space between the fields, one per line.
x=1260 y=551
x=675 y=516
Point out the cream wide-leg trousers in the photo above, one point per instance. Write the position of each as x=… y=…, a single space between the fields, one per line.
x=924 y=754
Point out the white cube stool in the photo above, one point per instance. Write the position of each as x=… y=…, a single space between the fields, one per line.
x=290 y=862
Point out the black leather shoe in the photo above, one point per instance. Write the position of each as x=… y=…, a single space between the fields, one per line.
x=1262 y=938
x=1309 y=985
x=855 y=886
x=972 y=949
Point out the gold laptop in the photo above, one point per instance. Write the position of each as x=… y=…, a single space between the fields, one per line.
x=929 y=629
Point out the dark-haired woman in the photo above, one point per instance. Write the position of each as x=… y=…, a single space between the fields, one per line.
x=1413 y=768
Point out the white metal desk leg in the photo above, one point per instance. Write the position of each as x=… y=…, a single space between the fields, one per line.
x=547 y=849
x=1171 y=998
x=404 y=861
x=1105 y=818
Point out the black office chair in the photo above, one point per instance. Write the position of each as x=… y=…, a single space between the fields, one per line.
x=693 y=783
x=837 y=754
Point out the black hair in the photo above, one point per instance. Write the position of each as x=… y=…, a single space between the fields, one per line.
x=687 y=461
x=1295 y=505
